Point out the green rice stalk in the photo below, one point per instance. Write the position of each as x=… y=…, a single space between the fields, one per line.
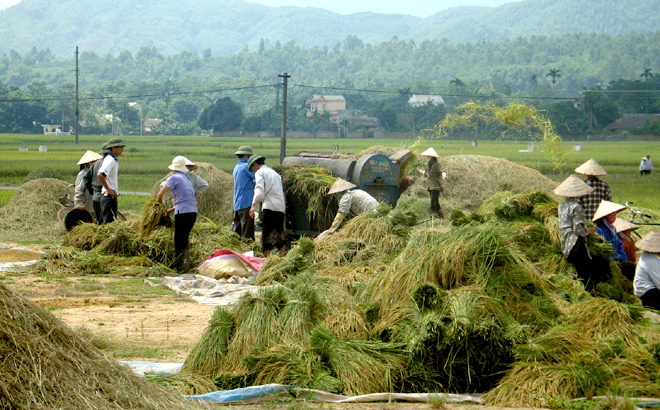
x=206 y=357
x=297 y=260
x=310 y=185
x=305 y=307
x=361 y=366
x=598 y=318
x=346 y=321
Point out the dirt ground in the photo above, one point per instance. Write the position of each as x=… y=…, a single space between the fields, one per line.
x=144 y=323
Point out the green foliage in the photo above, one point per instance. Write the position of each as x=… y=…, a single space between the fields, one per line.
x=223 y=115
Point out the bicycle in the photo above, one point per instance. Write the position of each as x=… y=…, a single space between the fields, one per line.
x=641 y=214
x=72 y=216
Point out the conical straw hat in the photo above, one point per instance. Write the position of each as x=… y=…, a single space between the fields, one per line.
x=605 y=208
x=430 y=153
x=591 y=167
x=650 y=243
x=89 y=156
x=573 y=187
x=341 y=185
x=621 y=225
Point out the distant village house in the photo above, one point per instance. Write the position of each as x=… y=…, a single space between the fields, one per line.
x=331 y=104
x=419 y=100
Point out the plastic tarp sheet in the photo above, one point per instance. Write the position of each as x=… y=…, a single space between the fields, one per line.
x=207 y=291
x=266 y=392
x=140 y=368
x=10 y=266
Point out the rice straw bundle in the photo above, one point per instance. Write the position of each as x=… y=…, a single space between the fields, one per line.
x=153 y=213
x=304 y=309
x=361 y=366
x=205 y=358
x=182 y=383
x=346 y=321
x=598 y=318
x=297 y=260
x=310 y=185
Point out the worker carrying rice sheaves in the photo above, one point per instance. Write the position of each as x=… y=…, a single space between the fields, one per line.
x=268 y=191
x=83 y=198
x=573 y=229
x=601 y=190
x=647 y=275
x=353 y=201
x=185 y=211
x=435 y=178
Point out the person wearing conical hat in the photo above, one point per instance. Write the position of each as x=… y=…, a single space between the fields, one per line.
x=108 y=176
x=94 y=185
x=243 y=225
x=604 y=219
x=601 y=190
x=185 y=211
x=647 y=276
x=434 y=181
x=624 y=229
x=646 y=166
x=83 y=198
x=573 y=228
x=353 y=201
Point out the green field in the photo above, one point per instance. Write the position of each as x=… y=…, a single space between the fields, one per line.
x=145 y=159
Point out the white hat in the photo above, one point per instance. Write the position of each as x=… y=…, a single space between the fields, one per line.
x=591 y=167
x=430 y=153
x=178 y=164
x=189 y=163
x=89 y=156
x=573 y=187
x=650 y=243
x=341 y=185
x=605 y=208
x=621 y=225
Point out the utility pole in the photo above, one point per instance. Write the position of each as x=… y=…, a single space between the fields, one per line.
x=285 y=81
x=77 y=97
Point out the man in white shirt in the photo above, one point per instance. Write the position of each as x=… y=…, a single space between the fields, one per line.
x=269 y=191
x=647 y=275
x=108 y=177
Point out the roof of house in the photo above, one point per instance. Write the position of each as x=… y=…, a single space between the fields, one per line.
x=632 y=121
x=422 y=99
x=318 y=97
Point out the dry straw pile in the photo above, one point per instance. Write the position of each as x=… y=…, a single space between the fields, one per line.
x=217 y=202
x=31 y=214
x=46 y=365
x=478 y=304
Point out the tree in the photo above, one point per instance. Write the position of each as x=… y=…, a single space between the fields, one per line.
x=554 y=73
x=458 y=83
x=534 y=80
x=647 y=73
x=223 y=115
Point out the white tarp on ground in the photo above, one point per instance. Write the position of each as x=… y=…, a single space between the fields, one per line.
x=205 y=290
x=140 y=368
x=10 y=266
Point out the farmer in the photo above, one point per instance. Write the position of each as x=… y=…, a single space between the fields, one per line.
x=268 y=191
x=185 y=211
x=434 y=180
x=199 y=184
x=604 y=219
x=646 y=166
x=574 y=231
x=601 y=190
x=354 y=201
x=647 y=275
x=83 y=198
x=108 y=177
x=94 y=185
x=243 y=194
x=624 y=229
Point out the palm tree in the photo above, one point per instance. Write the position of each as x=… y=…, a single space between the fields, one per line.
x=647 y=73
x=554 y=73
x=534 y=80
x=457 y=82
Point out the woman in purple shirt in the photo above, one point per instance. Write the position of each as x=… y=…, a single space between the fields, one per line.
x=185 y=211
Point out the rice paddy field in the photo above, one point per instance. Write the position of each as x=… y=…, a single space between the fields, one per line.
x=145 y=159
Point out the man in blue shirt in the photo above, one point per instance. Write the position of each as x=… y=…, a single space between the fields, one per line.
x=243 y=194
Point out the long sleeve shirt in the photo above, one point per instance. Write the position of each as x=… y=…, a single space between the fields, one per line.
x=82 y=196
x=572 y=224
x=647 y=274
x=590 y=202
x=268 y=189
x=434 y=175
x=607 y=231
x=356 y=201
x=243 y=185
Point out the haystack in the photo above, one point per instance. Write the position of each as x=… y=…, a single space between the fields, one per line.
x=43 y=172
x=31 y=214
x=47 y=365
x=474 y=178
x=217 y=202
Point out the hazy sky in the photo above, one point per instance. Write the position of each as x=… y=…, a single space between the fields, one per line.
x=422 y=8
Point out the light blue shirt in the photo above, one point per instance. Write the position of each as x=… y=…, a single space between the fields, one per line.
x=183 y=193
x=243 y=185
